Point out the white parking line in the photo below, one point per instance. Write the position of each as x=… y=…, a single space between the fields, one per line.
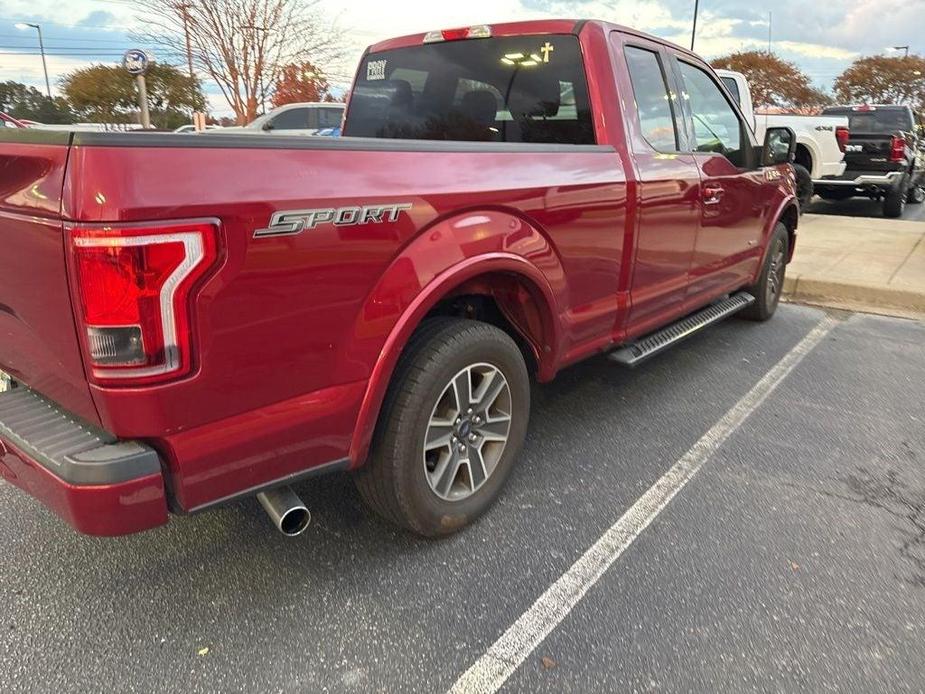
x=506 y=654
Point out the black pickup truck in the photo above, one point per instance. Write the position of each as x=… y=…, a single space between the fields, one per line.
x=885 y=157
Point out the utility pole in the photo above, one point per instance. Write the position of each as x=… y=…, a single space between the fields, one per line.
x=143 y=101
x=189 y=52
x=694 y=30
x=38 y=28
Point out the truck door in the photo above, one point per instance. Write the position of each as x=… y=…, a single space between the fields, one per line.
x=668 y=183
x=735 y=194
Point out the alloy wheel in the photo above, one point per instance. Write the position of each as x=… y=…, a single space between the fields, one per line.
x=467 y=432
x=776 y=274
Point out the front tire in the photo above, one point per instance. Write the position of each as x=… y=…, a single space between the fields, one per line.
x=451 y=427
x=804 y=186
x=770 y=285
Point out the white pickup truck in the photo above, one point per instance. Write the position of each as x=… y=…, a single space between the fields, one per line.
x=821 y=140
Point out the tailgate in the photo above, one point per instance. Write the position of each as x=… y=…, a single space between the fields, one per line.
x=869 y=152
x=38 y=342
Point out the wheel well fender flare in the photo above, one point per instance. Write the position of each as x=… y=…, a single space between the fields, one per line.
x=812 y=149
x=451 y=267
x=788 y=213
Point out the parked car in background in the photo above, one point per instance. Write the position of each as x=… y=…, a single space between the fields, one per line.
x=885 y=157
x=89 y=127
x=821 y=140
x=237 y=313
x=7 y=121
x=295 y=119
x=190 y=128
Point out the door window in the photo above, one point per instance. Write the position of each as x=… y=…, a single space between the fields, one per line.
x=717 y=127
x=653 y=102
x=329 y=117
x=293 y=119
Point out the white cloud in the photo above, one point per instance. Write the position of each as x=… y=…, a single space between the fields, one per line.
x=815 y=50
x=27 y=68
x=69 y=13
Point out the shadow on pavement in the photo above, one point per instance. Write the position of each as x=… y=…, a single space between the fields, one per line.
x=861 y=207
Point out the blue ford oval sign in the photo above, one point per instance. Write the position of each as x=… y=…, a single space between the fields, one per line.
x=135 y=61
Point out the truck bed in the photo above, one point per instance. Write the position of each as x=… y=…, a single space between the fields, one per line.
x=274 y=388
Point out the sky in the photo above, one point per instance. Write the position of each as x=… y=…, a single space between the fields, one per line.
x=822 y=38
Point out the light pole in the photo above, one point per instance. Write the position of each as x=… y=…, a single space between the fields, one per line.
x=694 y=29
x=27 y=25
x=902 y=48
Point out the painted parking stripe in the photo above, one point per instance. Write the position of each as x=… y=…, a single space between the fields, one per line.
x=506 y=654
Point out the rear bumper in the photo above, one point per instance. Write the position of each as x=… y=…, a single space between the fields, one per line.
x=98 y=484
x=876 y=180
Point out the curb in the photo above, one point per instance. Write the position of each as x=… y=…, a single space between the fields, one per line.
x=866 y=298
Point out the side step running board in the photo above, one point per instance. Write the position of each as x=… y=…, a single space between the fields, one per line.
x=650 y=345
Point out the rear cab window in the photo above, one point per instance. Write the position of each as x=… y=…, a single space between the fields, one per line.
x=733 y=88
x=652 y=97
x=875 y=120
x=505 y=89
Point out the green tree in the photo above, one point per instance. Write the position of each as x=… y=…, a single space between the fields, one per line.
x=880 y=79
x=22 y=101
x=773 y=81
x=108 y=94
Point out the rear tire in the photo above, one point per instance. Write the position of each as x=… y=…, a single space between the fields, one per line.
x=894 y=204
x=434 y=466
x=804 y=186
x=770 y=285
x=916 y=193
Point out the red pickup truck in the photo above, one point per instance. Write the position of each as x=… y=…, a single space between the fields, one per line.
x=190 y=319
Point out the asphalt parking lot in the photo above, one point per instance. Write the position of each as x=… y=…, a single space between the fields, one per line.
x=793 y=560
x=862 y=207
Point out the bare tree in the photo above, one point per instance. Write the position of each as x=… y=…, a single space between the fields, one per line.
x=243 y=45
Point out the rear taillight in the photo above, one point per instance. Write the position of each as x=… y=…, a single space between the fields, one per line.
x=842 y=135
x=134 y=286
x=897 y=149
x=480 y=31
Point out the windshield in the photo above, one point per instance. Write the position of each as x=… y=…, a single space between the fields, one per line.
x=878 y=121
x=513 y=89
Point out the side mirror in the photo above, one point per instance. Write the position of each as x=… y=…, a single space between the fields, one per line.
x=780 y=146
x=267 y=126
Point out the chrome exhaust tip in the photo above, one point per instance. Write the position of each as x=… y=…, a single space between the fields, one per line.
x=286 y=510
